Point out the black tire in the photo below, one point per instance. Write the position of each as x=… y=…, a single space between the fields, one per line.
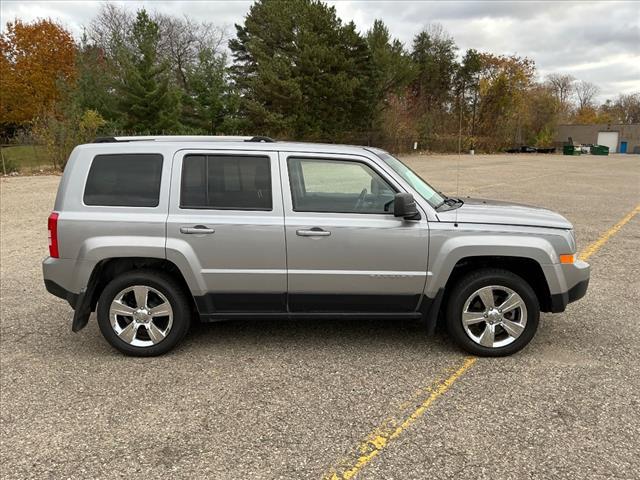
x=474 y=281
x=164 y=284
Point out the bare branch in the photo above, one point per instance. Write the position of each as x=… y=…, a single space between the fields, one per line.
x=182 y=39
x=562 y=86
x=586 y=93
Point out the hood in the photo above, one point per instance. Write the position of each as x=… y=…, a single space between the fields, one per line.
x=495 y=212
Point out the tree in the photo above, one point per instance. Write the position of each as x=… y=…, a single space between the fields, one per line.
x=94 y=87
x=185 y=48
x=183 y=41
x=434 y=55
x=301 y=72
x=392 y=67
x=589 y=115
x=193 y=50
x=586 y=93
x=180 y=39
x=541 y=115
x=467 y=82
x=504 y=83
x=36 y=59
x=148 y=103
x=562 y=86
x=205 y=101
x=60 y=132
x=625 y=109
x=392 y=71
x=110 y=32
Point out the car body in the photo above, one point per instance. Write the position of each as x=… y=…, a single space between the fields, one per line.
x=228 y=227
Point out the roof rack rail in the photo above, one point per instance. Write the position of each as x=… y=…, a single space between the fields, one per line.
x=260 y=138
x=184 y=138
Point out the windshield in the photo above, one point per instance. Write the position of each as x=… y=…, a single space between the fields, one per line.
x=425 y=190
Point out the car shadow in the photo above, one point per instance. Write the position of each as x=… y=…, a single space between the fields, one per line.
x=325 y=332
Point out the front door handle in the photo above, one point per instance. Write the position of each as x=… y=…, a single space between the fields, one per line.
x=313 y=232
x=198 y=229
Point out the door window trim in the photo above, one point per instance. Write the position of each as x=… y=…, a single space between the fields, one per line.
x=373 y=168
x=262 y=155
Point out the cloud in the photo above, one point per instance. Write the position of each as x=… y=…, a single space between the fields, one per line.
x=594 y=41
x=75 y=14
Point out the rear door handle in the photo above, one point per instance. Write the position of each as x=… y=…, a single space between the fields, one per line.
x=313 y=232
x=198 y=229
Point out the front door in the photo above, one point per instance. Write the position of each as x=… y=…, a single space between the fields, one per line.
x=226 y=226
x=346 y=251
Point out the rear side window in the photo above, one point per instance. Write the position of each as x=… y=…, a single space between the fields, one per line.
x=126 y=180
x=226 y=182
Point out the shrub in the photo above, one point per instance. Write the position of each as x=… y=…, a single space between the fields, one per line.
x=8 y=164
x=60 y=134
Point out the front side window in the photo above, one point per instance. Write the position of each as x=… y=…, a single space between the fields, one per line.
x=226 y=182
x=124 y=180
x=338 y=186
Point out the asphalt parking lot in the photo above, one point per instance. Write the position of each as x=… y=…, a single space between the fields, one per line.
x=374 y=399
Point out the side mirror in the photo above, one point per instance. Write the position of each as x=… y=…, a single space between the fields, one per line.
x=404 y=205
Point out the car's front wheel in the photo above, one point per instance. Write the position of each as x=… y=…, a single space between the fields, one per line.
x=143 y=313
x=492 y=312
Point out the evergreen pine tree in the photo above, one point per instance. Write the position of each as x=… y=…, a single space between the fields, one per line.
x=148 y=104
x=204 y=100
x=302 y=73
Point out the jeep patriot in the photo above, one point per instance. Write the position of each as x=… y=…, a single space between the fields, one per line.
x=150 y=232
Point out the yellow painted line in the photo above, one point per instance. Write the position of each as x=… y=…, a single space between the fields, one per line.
x=392 y=428
x=595 y=246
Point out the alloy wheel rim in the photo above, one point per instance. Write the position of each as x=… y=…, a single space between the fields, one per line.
x=494 y=316
x=141 y=316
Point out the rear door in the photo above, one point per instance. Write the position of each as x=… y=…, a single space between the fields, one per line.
x=226 y=227
x=346 y=252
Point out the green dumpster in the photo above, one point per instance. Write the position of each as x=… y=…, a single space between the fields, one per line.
x=599 y=150
x=570 y=150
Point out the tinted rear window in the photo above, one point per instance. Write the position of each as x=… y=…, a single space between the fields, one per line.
x=226 y=182
x=128 y=180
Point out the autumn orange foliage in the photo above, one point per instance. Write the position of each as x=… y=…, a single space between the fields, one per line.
x=35 y=58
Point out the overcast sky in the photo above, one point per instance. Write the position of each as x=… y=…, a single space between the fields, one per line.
x=594 y=41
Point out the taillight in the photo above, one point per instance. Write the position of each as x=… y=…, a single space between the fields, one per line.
x=52 y=225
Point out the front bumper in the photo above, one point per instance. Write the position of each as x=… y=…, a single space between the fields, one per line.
x=559 y=301
x=576 y=277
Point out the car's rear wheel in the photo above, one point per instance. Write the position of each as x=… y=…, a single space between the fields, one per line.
x=492 y=312
x=143 y=313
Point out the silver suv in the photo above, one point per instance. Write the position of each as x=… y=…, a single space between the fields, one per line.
x=152 y=231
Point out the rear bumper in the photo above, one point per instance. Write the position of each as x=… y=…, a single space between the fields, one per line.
x=58 y=275
x=577 y=279
x=76 y=275
x=61 y=292
x=66 y=278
